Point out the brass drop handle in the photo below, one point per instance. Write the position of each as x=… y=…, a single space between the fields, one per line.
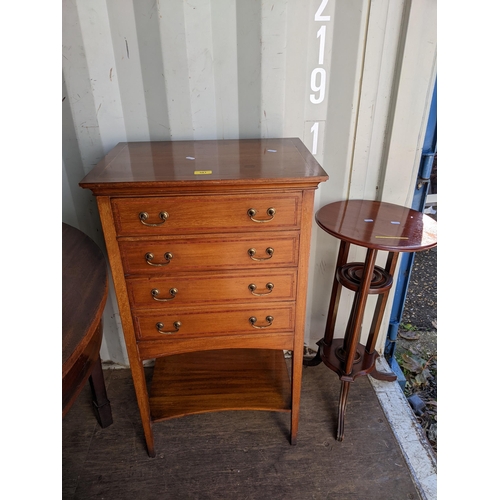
x=252 y=287
x=149 y=258
x=143 y=217
x=177 y=325
x=155 y=292
x=270 y=211
x=252 y=252
x=253 y=320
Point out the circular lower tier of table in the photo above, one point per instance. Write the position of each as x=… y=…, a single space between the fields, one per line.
x=332 y=357
x=351 y=275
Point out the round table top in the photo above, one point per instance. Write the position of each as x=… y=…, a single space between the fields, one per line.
x=378 y=225
x=84 y=292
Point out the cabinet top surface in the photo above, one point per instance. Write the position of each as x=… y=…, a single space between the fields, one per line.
x=379 y=225
x=283 y=161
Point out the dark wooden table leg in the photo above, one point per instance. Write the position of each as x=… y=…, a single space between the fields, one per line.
x=392 y=259
x=353 y=333
x=344 y=391
x=99 y=396
x=334 y=305
x=385 y=377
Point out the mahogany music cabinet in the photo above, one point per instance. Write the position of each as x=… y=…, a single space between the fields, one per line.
x=208 y=243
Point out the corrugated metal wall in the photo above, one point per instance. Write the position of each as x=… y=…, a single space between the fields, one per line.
x=351 y=78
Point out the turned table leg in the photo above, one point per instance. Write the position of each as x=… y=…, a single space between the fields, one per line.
x=344 y=391
x=390 y=268
x=334 y=305
x=353 y=333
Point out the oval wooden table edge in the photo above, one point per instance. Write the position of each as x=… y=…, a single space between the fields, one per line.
x=83 y=263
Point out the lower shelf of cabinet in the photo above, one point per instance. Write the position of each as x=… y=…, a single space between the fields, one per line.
x=225 y=379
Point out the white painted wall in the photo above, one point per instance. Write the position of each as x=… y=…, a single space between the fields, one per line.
x=174 y=70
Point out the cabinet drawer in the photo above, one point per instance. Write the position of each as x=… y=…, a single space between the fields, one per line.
x=210 y=253
x=206 y=214
x=206 y=321
x=178 y=289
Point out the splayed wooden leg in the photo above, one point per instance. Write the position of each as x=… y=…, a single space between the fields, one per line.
x=344 y=391
x=384 y=376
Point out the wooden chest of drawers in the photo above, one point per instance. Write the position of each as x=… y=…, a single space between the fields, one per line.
x=208 y=243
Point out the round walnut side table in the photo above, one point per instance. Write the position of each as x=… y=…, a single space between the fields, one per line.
x=376 y=226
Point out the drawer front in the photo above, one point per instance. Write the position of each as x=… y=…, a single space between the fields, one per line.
x=174 y=215
x=169 y=292
x=175 y=255
x=206 y=321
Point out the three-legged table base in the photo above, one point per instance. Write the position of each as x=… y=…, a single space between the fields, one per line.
x=375 y=226
x=364 y=364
